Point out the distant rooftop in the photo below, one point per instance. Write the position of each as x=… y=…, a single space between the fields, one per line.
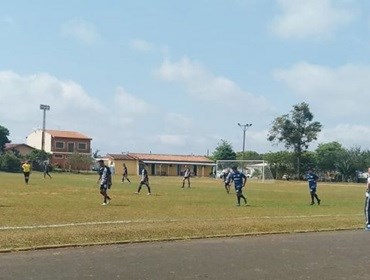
x=66 y=134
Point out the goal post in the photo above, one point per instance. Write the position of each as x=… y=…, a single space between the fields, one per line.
x=253 y=169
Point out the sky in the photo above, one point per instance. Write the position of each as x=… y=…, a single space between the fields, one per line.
x=176 y=77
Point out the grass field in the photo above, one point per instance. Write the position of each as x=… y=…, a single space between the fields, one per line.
x=67 y=210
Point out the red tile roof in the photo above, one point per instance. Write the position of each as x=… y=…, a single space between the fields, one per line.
x=170 y=158
x=9 y=146
x=66 y=134
x=120 y=156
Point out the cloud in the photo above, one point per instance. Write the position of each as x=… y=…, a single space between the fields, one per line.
x=173 y=140
x=178 y=121
x=311 y=18
x=128 y=104
x=349 y=135
x=67 y=100
x=141 y=45
x=335 y=92
x=204 y=86
x=80 y=30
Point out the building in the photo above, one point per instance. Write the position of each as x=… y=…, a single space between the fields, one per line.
x=160 y=164
x=61 y=144
x=22 y=149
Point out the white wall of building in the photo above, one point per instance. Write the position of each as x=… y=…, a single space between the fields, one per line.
x=34 y=140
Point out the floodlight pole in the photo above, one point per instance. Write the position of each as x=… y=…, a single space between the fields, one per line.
x=244 y=127
x=44 y=108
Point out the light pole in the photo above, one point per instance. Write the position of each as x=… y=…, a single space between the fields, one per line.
x=45 y=108
x=244 y=127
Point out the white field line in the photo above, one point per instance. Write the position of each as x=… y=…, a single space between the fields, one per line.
x=167 y=221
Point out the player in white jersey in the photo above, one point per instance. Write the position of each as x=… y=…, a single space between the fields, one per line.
x=367 y=202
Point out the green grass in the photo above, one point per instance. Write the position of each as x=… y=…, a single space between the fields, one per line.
x=170 y=213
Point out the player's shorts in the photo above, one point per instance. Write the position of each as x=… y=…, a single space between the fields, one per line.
x=313 y=189
x=239 y=190
x=26 y=174
x=104 y=187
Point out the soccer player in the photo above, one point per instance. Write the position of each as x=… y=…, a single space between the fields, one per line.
x=46 y=169
x=227 y=179
x=26 y=167
x=187 y=174
x=367 y=202
x=105 y=180
x=125 y=174
x=312 y=184
x=144 y=181
x=239 y=182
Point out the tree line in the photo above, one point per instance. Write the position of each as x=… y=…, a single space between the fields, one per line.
x=296 y=131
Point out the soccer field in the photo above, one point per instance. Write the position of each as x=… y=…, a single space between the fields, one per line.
x=67 y=210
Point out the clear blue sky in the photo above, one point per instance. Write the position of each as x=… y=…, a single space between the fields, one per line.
x=177 y=76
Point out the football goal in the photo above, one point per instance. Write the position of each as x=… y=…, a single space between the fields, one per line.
x=253 y=169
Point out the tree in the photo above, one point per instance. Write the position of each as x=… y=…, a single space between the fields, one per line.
x=4 y=133
x=280 y=163
x=249 y=155
x=10 y=162
x=295 y=130
x=224 y=151
x=328 y=155
x=350 y=162
x=38 y=157
x=80 y=161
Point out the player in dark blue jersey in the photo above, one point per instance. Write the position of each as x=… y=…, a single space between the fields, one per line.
x=312 y=185
x=239 y=182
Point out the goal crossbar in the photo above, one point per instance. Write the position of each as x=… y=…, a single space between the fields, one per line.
x=255 y=169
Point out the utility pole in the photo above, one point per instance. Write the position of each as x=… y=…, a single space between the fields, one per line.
x=44 y=108
x=244 y=127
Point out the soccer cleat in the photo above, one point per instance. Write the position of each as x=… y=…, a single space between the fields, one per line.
x=104 y=203
x=136 y=192
x=312 y=203
x=149 y=193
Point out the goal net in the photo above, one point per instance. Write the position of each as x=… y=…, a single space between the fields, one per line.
x=253 y=169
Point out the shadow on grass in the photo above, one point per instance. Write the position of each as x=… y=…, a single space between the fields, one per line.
x=118 y=205
x=3 y=206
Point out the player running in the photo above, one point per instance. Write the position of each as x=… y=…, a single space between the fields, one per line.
x=367 y=202
x=144 y=181
x=239 y=182
x=105 y=179
x=26 y=168
x=312 y=184
x=187 y=175
x=125 y=174
x=227 y=179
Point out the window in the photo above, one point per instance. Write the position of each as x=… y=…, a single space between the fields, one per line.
x=59 y=145
x=71 y=147
x=58 y=156
x=82 y=146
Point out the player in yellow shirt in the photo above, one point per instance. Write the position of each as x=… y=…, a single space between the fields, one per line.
x=26 y=167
